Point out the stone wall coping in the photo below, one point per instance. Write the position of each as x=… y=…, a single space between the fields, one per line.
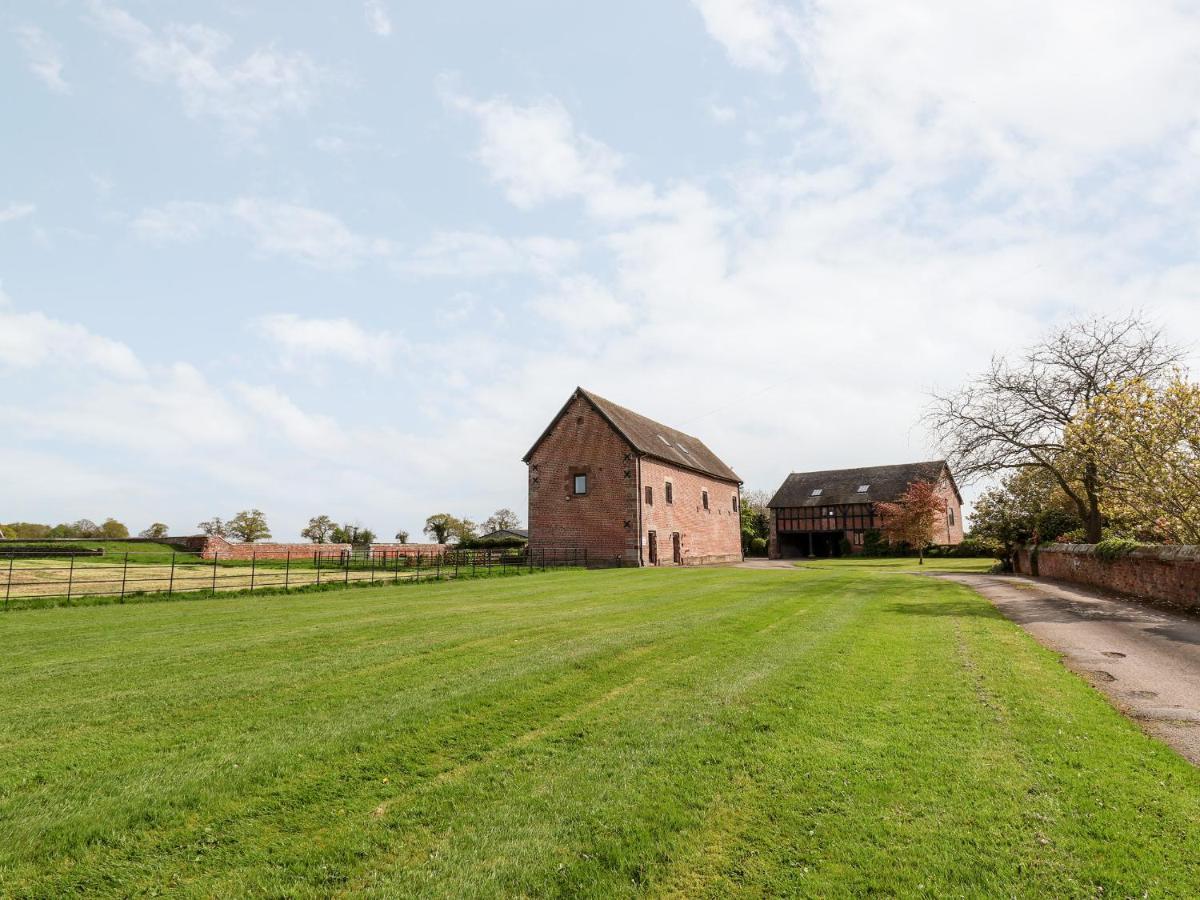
x=1165 y=552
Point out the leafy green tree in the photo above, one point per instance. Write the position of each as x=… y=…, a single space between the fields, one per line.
x=445 y=528
x=319 y=529
x=111 y=529
x=501 y=520
x=352 y=534
x=1145 y=440
x=157 y=530
x=438 y=527
x=214 y=527
x=755 y=522
x=1027 y=507
x=249 y=525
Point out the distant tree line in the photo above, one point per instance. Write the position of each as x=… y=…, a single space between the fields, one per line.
x=109 y=529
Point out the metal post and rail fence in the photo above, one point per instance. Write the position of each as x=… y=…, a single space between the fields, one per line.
x=31 y=578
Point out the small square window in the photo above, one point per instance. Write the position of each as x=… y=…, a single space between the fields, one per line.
x=581 y=484
x=704 y=498
x=816 y=492
x=668 y=493
x=649 y=495
x=863 y=488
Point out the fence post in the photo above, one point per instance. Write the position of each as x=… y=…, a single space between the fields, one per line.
x=253 y=563
x=457 y=554
x=171 y=582
x=346 y=558
x=441 y=559
x=8 y=584
x=317 y=558
x=372 y=556
x=287 y=570
x=70 y=579
x=473 y=552
x=418 y=565
x=529 y=550
x=543 y=559
x=124 y=574
x=216 y=553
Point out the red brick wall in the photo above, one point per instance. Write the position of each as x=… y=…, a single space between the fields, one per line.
x=582 y=441
x=944 y=532
x=1169 y=576
x=706 y=536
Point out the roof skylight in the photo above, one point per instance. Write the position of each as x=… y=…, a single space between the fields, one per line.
x=816 y=492
x=863 y=488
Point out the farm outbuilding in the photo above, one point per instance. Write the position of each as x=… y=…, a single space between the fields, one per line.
x=831 y=512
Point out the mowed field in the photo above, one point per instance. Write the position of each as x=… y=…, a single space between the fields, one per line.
x=825 y=730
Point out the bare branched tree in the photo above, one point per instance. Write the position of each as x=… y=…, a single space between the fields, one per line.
x=1013 y=416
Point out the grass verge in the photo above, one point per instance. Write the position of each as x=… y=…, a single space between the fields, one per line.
x=832 y=732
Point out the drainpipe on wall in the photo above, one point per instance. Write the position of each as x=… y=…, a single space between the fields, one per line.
x=638 y=501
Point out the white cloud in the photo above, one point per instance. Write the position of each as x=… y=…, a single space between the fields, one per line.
x=585 y=306
x=378 y=19
x=44 y=57
x=471 y=254
x=315 y=433
x=244 y=95
x=1036 y=86
x=15 y=211
x=757 y=34
x=537 y=155
x=275 y=228
x=30 y=340
x=304 y=341
x=312 y=236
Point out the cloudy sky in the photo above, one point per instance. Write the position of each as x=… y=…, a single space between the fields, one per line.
x=349 y=258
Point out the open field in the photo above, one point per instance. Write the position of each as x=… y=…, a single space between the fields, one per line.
x=824 y=731
x=36 y=583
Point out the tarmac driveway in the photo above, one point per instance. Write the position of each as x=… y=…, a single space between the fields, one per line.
x=1146 y=660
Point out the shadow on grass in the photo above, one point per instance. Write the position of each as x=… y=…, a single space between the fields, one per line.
x=955 y=608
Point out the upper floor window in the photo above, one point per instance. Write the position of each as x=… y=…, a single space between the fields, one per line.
x=704 y=498
x=649 y=495
x=735 y=503
x=581 y=485
x=668 y=493
x=951 y=513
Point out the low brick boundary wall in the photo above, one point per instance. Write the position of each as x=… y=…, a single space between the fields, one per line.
x=210 y=546
x=1168 y=576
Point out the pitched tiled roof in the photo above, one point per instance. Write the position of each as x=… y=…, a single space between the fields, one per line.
x=653 y=439
x=838 y=486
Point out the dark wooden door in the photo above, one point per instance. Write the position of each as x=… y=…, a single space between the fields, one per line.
x=676 y=549
x=654 y=548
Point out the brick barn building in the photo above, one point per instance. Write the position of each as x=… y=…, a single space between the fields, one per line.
x=813 y=511
x=630 y=490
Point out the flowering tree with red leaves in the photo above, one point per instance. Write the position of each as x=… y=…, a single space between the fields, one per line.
x=912 y=518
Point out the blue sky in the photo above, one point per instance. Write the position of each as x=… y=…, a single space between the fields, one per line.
x=349 y=258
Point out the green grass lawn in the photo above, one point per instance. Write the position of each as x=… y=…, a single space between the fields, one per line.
x=825 y=731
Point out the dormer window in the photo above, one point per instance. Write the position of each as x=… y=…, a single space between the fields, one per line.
x=863 y=488
x=816 y=492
